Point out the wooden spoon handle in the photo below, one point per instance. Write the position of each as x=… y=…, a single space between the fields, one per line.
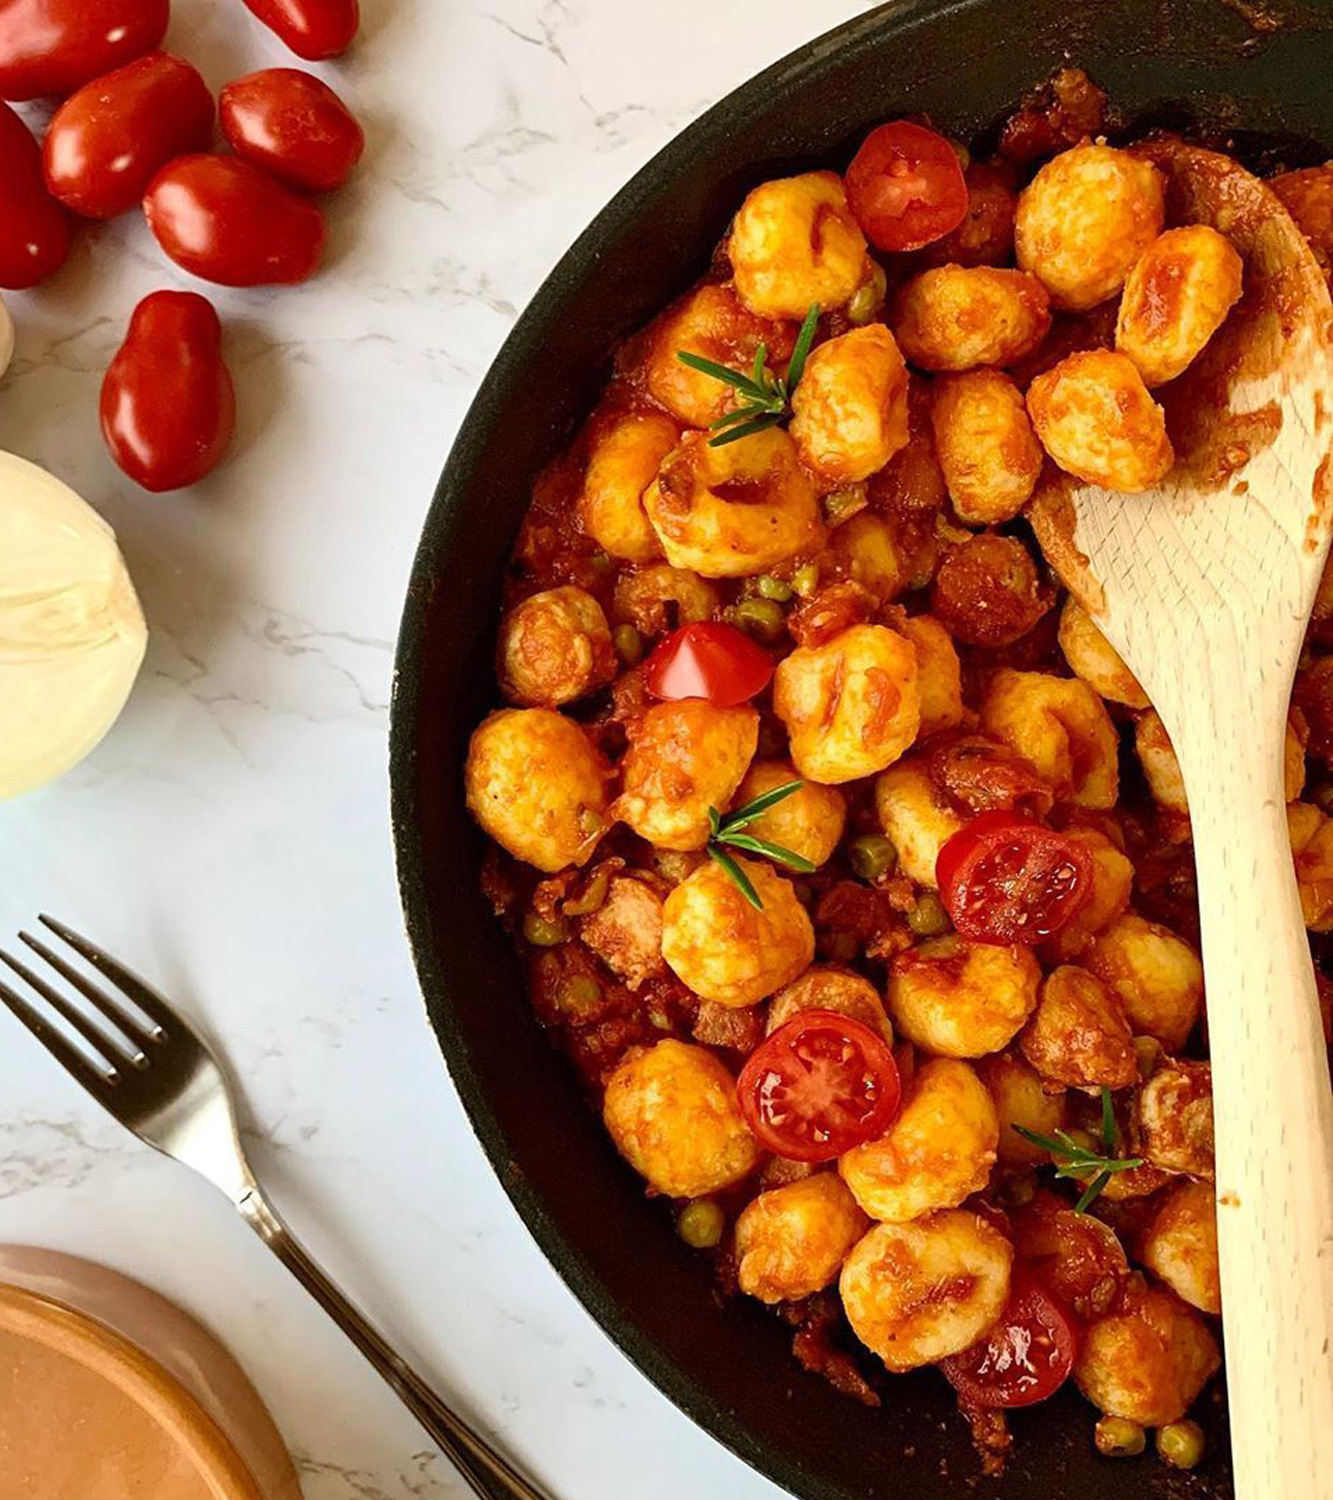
x=1273 y=1105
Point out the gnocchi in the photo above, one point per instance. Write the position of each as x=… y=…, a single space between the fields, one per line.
x=791 y=1241
x=1093 y=658
x=795 y=243
x=959 y=998
x=623 y=462
x=554 y=647
x=962 y=317
x=1156 y=974
x=850 y=409
x=823 y=987
x=809 y=822
x=987 y=450
x=1062 y=727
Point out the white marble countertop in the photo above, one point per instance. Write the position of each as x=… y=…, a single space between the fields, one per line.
x=231 y=837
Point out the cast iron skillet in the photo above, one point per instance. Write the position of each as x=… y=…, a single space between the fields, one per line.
x=1208 y=66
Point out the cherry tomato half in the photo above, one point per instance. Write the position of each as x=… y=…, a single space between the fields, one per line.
x=228 y=222
x=1004 y=879
x=1026 y=1357
x=106 y=142
x=818 y=1086
x=34 y=229
x=56 y=46
x=168 y=404
x=906 y=187
x=293 y=126
x=313 y=29
x=708 y=660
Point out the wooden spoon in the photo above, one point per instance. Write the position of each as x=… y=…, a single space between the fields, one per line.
x=1204 y=586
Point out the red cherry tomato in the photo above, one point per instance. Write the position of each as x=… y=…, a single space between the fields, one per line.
x=228 y=222
x=313 y=29
x=34 y=229
x=708 y=660
x=906 y=187
x=106 y=142
x=56 y=46
x=168 y=404
x=292 y=125
x=1026 y=1357
x=1004 y=879
x=818 y=1086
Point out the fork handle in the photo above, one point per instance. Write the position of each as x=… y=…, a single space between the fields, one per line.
x=490 y=1476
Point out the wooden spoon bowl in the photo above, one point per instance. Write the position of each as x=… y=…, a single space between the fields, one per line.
x=1204 y=586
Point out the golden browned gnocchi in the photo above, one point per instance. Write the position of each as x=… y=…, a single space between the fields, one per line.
x=1161 y=769
x=1023 y=1099
x=1311 y=836
x=554 y=647
x=960 y=317
x=986 y=447
x=657 y=597
x=623 y=461
x=939 y=674
x=1157 y=975
x=917 y=817
x=683 y=758
x=940 y=1149
x=1176 y=297
x=916 y=1293
x=1093 y=658
x=710 y=322
x=724 y=948
x=1095 y=418
x=1080 y=1034
x=851 y=705
x=791 y=1241
x=809 y=822
x=1084 y=219
x=738 y=509
x=823 y=987
x=959 y=998
x=536 y=784
x=850 y=409
x=1147 y=1359
x=795 y=243
x=671 y=1110
x=1173 y=1117
x=1061 y=726
x=1180 y=1245
x=868 y=552
x=1108 y=894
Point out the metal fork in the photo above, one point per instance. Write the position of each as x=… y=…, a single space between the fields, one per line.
x=161 y=1081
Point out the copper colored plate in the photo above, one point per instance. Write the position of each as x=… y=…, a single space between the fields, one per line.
x=86 y=1415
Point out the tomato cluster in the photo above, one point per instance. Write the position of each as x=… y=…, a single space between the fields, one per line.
x=135 y=126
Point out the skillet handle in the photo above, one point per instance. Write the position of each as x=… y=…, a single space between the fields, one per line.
x=490 y=1476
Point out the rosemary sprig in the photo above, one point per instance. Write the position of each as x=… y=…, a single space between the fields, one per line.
x=766 y=397
x=731 y=831
x=1072 y=1159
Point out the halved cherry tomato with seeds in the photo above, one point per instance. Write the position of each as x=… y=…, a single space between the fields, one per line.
x=1026 y=1357
x=708 y=660
x=905 y=186
x=1005 y=879
x=818 y=1086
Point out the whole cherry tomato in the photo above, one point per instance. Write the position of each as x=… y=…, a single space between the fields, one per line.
x=34 y=229
x=228 y=222
x=313 y=29
x=1005 y=879
x=906 y=187
x=168 y=404
x=293 y=126
x=56 y=46
x=106 y=142
x=708 y=660
x=1028 y=1354
x=818 y=1086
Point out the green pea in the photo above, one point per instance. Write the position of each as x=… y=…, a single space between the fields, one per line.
x=928 y=917
x=871 y=856
x=842 y=505
x=628 y=643
x=701 y=1224
x=579 y=995
x=601 y=566
x=542 y=933
x=868 y=297
x=768 y=587
x=805 y=580
x=590 y=822
x=761 y=618
x=1118 y=1438
x=1181 y=1444
x=593 y=897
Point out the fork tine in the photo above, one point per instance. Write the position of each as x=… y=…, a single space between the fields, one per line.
x=99 y=1085
x=109 y=1047
x=106 y=1005
x=144 y=996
